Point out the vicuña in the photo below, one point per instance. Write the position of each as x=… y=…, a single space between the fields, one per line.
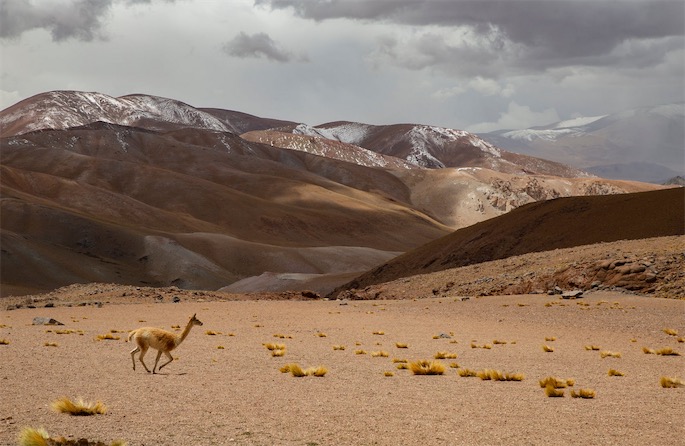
x=161 y=340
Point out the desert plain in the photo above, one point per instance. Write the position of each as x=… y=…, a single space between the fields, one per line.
x=225 y=387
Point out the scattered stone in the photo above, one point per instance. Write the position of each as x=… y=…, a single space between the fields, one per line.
x=176 y=299
x=49 y=305
x=444 y=336
x=39 y=320
x=575 y=294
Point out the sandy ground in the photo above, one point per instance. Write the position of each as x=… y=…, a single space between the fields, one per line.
x=237 y=395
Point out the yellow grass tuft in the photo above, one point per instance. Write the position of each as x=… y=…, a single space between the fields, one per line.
x=648 y=351
x=614 y=372
x=321 y=335
x=553 y=392
x=424 y=367
x=50 y=344
x=454 y=365
x=550 y=338
x=4 y=342
x=278 y=352
x=445 y=355
x=547 y=348
x=33 y=437
x=667 y=351
x=609 y=354
x=380 y=354
x=318 y=371
x=592 y=347
x=399 y=361
x=498 y=342
x=496 y=375
x=380 y=333
x=668 y=382
x=64 y=331
x=40 y=437
x=557 y=383
x=212 y=333
x=467 y=373
x=402 y=366
x=401 y=345
x=671 y=331
x=220 y=347
x=338 y=347
x=80 y=407
x=583 y=393
x=681 y=339
x=360 y=352
x=271 y=346
x=388 y=374
x=107 y=336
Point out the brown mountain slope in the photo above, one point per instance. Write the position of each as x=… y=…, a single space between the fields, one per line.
x=541 y=226
x=117 y=204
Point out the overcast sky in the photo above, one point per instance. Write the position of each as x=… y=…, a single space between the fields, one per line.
x=477 y=65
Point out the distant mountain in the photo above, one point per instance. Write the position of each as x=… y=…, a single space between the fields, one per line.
x=145 y=190
x=642 y=144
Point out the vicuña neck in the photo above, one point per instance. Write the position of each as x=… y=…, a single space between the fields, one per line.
x=185 y=332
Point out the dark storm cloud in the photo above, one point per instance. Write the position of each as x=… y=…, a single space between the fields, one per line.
x=257 y=45
x=548 y=33
x=81 y=19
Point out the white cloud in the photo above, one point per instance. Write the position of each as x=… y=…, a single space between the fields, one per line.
x=517 y=117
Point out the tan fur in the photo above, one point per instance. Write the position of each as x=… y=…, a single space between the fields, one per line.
x=161 y=340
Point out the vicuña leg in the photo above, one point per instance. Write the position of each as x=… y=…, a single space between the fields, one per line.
x=168 y=355
x=133 y=356
x=143 y=350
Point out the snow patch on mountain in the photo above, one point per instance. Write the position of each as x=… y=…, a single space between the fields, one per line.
x=350 y=132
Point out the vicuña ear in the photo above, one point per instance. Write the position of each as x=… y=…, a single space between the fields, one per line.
x=194 y=315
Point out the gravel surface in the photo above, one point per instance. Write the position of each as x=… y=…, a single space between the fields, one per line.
x=237 y=395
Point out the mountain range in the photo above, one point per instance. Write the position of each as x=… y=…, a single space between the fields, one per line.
x=641 y=144
x=145 y=190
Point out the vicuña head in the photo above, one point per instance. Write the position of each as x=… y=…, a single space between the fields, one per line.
x=161 y=340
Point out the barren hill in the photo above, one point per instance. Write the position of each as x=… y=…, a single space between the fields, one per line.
x=143 y=190
x=538 y=227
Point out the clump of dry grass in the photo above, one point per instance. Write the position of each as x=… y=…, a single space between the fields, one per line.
x=388 y=374
x=380 y=354
x=609 y=354
x=424 y=367
x=107 y=337
x=338 y=347
x=496 y=375
x=557 y=383
x=321 y=335
x=445 y=355
x=671 y=331
x=668 y=382
x=399 y=361
x=667 y=351
x=40 y=437
x=401 y=345
x=485 y=346
x=297 y=371
x=360 y=352
x=64 y=331
x=499 y=342
x=4 y=341
x=614 y=372
x=648 y=351
x=50 y=344
x=681 y=339
x=212 y=333
x=467 y=373
x=379 y=332
x=550 y=338
x=79 y=408
x=583 y=393
x=278 y=352
x=220 y=347
x=592 y=347
x=402 y=366
x=547 y=348
x=553 y=392
x=273 y=346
